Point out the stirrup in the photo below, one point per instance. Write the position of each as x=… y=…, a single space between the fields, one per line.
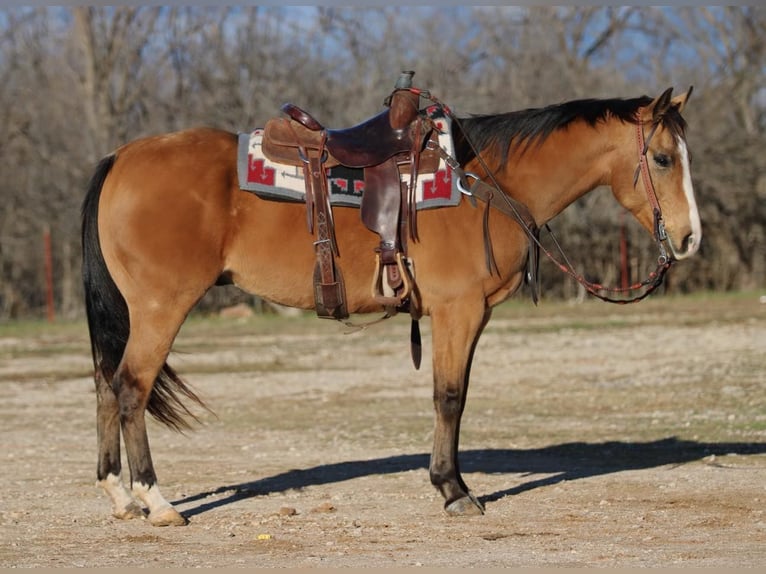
x=391 y=301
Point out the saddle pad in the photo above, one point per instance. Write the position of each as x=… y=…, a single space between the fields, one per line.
x=271 y=180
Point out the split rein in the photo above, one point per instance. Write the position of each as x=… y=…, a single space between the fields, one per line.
x=513 y=208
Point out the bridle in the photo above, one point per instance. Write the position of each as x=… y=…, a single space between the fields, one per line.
x=518 y=211
x=660 y=235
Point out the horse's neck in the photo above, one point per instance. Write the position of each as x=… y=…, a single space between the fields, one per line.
x=568 y=164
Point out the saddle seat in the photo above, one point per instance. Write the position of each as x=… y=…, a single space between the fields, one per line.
x=366 y=144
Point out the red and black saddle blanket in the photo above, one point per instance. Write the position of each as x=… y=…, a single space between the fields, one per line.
x=277 y=181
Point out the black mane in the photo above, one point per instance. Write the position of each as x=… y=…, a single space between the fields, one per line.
x=510 y=130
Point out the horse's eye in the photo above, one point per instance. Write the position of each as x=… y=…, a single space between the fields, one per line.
x=662 y=160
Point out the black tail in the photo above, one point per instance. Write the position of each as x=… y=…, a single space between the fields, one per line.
x=108 y=319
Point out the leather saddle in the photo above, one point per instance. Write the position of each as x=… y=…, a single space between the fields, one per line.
x=369 y=143
x=385 y=147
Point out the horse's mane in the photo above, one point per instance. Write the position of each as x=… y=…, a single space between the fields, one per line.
x=508 y=131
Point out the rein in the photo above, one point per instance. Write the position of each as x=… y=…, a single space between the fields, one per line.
x=519 y=212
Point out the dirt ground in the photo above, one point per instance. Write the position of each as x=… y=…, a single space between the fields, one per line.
x=596 y=435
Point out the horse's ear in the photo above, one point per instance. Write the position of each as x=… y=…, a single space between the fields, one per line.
x=679 y=102
x=660 y=105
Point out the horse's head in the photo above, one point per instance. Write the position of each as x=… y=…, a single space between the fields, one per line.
x=660 y=194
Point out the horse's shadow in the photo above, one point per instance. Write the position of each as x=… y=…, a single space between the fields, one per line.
x=564 y=462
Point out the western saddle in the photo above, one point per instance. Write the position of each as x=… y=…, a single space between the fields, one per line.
x=388 y=146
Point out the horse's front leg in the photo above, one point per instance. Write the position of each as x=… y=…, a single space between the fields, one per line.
x=455 y=331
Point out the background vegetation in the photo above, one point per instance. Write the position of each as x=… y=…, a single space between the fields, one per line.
x=78 y=82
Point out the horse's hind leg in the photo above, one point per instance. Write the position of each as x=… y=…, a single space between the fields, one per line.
x=145 y=353
x=109 y=463
x=122 y=404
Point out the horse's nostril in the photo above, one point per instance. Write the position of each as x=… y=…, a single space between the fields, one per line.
x=688 y=246
x=690 y=243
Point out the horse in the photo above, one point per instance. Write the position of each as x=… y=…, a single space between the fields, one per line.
x=163 y=220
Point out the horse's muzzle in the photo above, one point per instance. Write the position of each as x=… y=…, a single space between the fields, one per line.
x=689 y=246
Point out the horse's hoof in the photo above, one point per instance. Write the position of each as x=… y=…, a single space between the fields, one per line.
x=465 y=506
x=167 y=517
x=131 y=511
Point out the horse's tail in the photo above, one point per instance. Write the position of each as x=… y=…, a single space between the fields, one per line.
x=109 y=321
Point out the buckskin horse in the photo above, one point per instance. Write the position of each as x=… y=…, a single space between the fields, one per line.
x=163 y=220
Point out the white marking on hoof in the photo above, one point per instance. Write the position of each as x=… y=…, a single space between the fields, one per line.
x=161 y=512
x=124 y=505
x=133 y=510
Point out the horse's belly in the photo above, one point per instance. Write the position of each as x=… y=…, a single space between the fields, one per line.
x=273 y=256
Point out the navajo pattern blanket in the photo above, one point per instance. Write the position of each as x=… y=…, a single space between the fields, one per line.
x=271 y=180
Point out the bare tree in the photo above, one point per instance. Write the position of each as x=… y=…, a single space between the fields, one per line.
x=118 y=55
x=77 y=82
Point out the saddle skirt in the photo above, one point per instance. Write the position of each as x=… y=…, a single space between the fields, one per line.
x=275 y=180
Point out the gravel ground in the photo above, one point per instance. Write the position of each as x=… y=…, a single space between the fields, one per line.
x=595 y=435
